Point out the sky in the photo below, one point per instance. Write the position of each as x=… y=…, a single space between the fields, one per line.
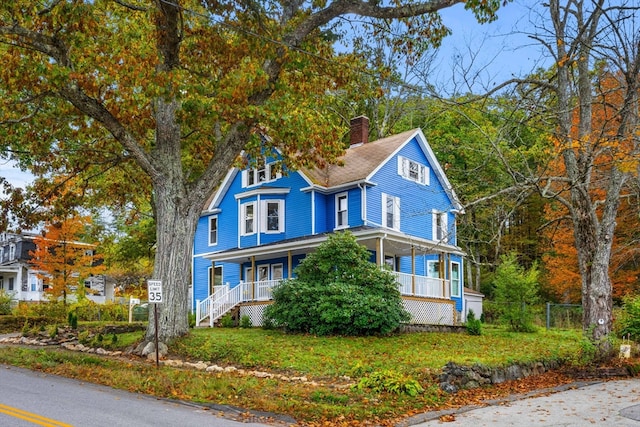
x=502 y=51
x=15 y=176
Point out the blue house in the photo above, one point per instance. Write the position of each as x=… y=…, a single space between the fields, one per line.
x=392 y=194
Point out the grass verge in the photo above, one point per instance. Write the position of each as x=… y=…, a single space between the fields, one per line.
x=399 y=362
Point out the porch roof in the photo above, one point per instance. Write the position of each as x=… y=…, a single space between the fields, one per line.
x=393 y=242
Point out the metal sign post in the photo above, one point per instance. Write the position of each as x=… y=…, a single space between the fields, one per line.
x=154 y=287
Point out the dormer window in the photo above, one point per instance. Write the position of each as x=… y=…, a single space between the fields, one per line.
x=413 y=171
x=266 y=172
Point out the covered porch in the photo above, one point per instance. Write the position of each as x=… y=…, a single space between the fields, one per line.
x=424 y=281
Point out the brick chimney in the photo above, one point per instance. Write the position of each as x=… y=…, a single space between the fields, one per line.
x=359 y=130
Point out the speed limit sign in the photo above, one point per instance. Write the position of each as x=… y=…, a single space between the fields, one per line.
x=154 y=288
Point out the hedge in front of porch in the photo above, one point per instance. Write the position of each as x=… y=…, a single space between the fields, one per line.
x=338 y=291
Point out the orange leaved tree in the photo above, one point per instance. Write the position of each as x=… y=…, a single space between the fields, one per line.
x=63 y=260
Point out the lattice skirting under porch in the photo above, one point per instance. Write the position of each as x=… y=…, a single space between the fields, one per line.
x=424 y=311
x=428 y=311
x=254 y=311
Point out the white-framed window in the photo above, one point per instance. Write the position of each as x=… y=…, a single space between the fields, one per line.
x=272 y=216
x=277 y=271
x=1 y=255
x=11 y=283
x=265 y=172
x=12 y=252
x=390 y=261
x=433 y=269
x=248 y=218
x=390 y=211
x=413 y=171
x=263 y=273
x=34 y=283
x=215 y=278
x=213 y=230
x=342 y=210
x=440 y=229
x=455 y=279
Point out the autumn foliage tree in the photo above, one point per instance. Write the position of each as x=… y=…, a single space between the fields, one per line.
x=160 y=97
x=63 y=260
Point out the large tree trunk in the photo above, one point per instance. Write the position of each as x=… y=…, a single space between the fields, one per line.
x=175 y=233
x=176 y=211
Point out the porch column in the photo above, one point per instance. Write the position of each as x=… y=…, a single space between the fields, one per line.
x=379 y=251
x=441 y=273
x=253 y=277
x=289 y=264
x=413 y=270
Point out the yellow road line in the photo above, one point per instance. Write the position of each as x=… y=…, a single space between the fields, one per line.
x=31 y=417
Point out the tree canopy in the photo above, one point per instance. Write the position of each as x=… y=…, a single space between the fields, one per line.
x=157 y=99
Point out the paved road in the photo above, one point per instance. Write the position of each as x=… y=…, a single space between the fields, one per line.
x=611 y=403
x=32 y=398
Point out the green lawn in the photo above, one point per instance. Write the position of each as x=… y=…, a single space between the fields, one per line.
x=405 y=358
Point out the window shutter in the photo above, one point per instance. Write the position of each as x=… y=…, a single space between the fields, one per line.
x=244 y=179
x=445 y=226
x=434 y=225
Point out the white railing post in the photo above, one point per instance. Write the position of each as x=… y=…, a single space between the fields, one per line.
x=198 y=319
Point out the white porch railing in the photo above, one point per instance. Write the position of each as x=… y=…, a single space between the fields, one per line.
x=225 y=298
x=422 y=286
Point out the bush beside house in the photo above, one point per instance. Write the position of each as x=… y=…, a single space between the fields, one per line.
x=337 y=290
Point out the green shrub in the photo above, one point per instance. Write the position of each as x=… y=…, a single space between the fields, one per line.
x=245 y=322
x=73 y=320
x=5 y=302
x=192 y=320
x=53 y=331
x=226 y=321
x=338 y=291
x=515 y=289
x=628 y=320
x=391 y=382
x=474 y=326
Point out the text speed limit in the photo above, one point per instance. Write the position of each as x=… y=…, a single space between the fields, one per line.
x=154 y=288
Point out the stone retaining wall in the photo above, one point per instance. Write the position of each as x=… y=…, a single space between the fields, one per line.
x=455 y=377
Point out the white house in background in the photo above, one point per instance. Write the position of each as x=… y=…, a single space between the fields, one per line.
x=19 y=278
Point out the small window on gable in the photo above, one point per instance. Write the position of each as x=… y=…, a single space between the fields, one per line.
x=12 y=252
x=391 y=211
x=342 y=217
x=413 y=171
x=213 y=230
x=266 y=172
x=248 y=218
